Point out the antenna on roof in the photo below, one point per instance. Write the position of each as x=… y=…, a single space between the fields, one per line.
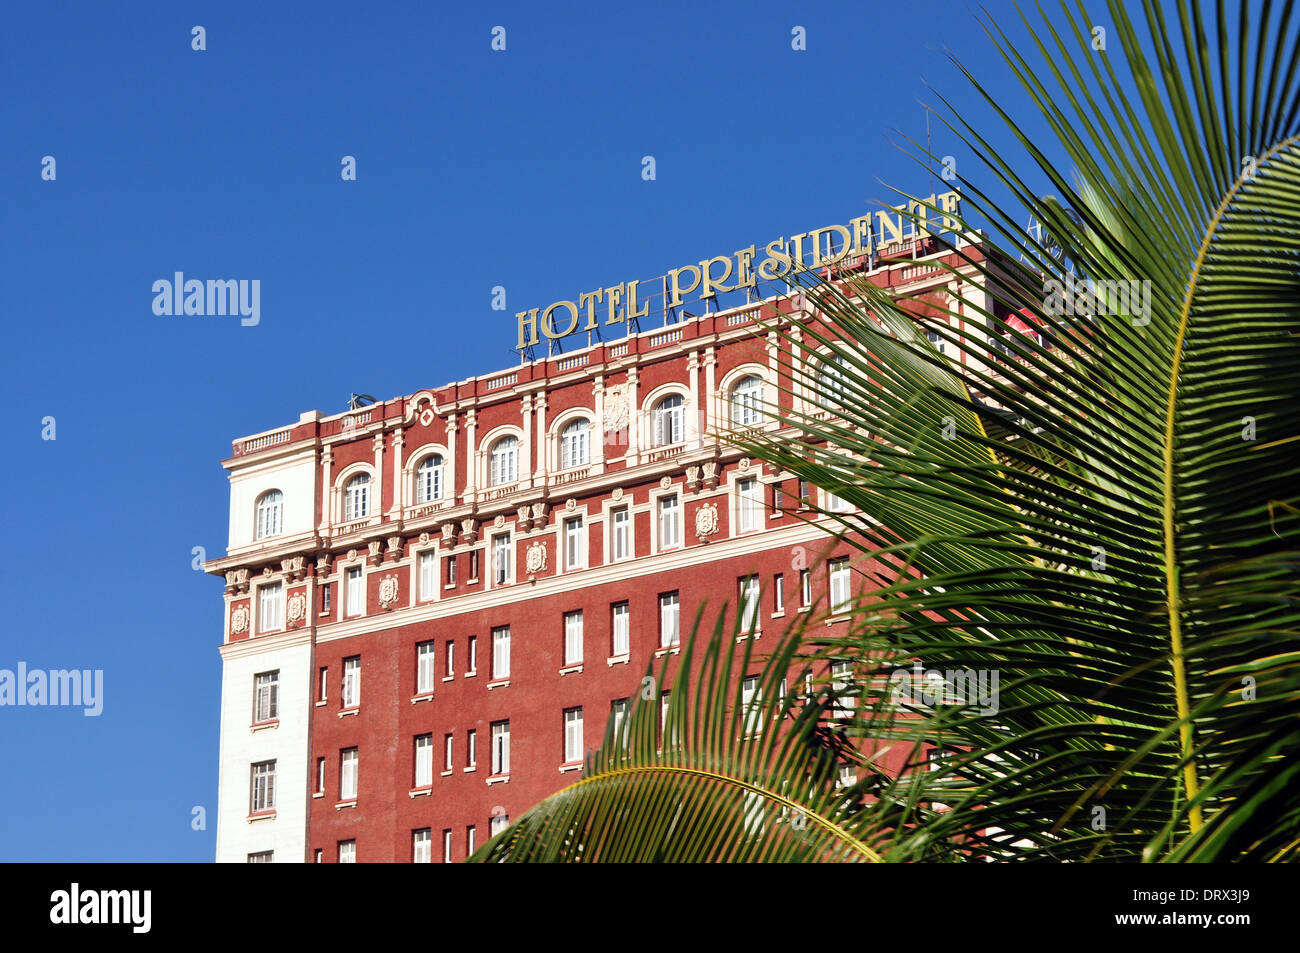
x=359 y=400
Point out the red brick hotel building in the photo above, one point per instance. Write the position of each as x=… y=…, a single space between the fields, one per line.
x=434 y=604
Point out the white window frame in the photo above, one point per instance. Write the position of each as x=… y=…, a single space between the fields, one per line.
x=270 y=514
x=446 y=846
x=670 y=619
x=621 y=629
x=424 y=760
x=428 y=563
x=348 y=851
x=501 y=652
x=841 y=580
x=618 y=710
x=500 y=747
x=841 y=678
x=805 y=588
x=573 y=735
x=749 y=504
x=349 y=773
x=354 y=591
x=270 y=607
x=356 y=496
x=668 y=421
x=261 y=787
x=668 y=521
x=503 y=461
x=449 y=751
x=575 y=444
x=497 y=824
x=422 y=846
x=751 y=698
x=351 y=693
x=746 y=402
x=620 y=543
x=266 y=696
x=749 y=602
x=575 y=543
x=471 y=748
x=426 y=663
x=778 y=593
x=573 y=637
x=503 y=552
x=428 y=478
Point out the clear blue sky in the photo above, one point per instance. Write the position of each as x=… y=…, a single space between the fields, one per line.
x=475 y=169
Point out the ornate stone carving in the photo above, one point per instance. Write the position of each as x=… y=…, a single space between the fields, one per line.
x=448 y=531
x=388 y=591
x=395 y=547
x=239 y=620
x=539 y=512
x=617 y=494
x=374 y=546
x=706 y=520
x=692 y=478
x=711 y=474
x=468 y=532
x=352 y=554
x=322 y=565
x=666 y=483
x=743 y=464
x=296 y=608
x=230 y=579
x=535 y=558
x=570 y=504
x=424 y=538
x=523 y=518
x=499 y=520
x=293 y=566
x=616 y=408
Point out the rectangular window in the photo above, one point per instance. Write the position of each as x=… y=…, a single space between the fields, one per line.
x=805 y=587
x=270 y=602
x=473 y=656
x=754 y=814
x=617 y=715
x=750 y=699
x=448 y=743
x=348 y=774
x=320 y=775
x=805 y=493
x=347 y=852
x=473 y=565
x=262 y=795
x=446 y=847
x=622 y=629
x=748 y=603
x=471 y=745
x=835 y=504
x=778 y=593
x=352 y=682
x=320 y=855
x=573 y=637
x=423 y=761
x=621 y=538
x=572 y=735
x=664 y=706
x=428 y=575
x=750 y=504
x=498 y=823
x=501 y=652
x=501 y=747
x=469 y=839
x=324 y=682
x=451 y=570
x=325 y=598
x=356 y=593
x=668 y=514
x=424 y=662
x=422 y=846
x=840 y=595
x=841 y=682
x=575 y=549
x=451 y=659
x=266 y=696
x=502 y=561
x=669 y=630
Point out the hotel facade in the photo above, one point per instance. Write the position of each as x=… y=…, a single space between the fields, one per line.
x=435 y=604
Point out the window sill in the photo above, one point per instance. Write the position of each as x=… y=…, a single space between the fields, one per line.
x=618 y=660
x=804 y=609
x=446 y=774
x=341 y=805
x=570 y=766
x=472 y=674
x=419 y=792
x=322 y=702
x=674 y=649
x=261 y=816
x=449 y=678
x=498 y=779
x=755 y=635
x=779 y=614
x=450 y=585
x=572 y=669
x=471 y=769
x=264 y=725
x=349 y=711
x=318 y=794
x=505 y=682
x=323 y=613
x=472 y=582
x=841 y=617
x=422 y=697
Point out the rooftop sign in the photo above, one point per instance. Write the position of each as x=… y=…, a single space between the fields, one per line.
x=819 y=248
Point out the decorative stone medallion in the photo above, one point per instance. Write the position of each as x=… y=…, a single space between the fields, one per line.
x=666 y=483
x=297 y=607
x=388 y=591
x=424 y=538
x=499 y=520
x=617 y=494
x=239 y=620
x=535 y=558
x=706 y=520
x=570 y=504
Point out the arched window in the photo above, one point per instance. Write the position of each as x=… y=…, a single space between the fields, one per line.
x=669 y=417
x=270 y=514
x=830 y=382
x=356 y=497
x=505 y=461
x=745 y=399
x=573 y=444
x=428 y=479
